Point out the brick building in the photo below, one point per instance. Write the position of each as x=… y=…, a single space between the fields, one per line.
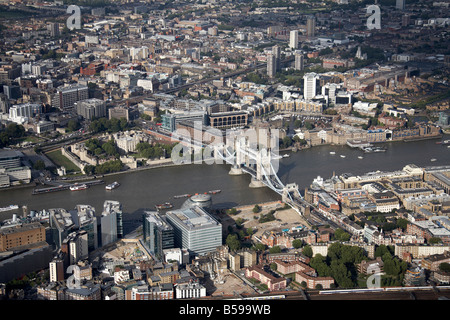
x=273 y=283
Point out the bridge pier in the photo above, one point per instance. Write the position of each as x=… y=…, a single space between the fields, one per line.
x=236 y=171
x=255 y=183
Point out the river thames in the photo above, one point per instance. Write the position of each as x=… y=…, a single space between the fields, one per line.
x=144 y=189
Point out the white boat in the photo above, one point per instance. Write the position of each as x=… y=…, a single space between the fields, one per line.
x=285 y=155
x=78 y=187
x=10 y=207
x=359 y=157
x=332 y=152
x=113 y=185
x=432 y=160
x=342 y=156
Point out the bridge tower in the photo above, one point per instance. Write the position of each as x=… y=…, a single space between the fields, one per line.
x=236 y=168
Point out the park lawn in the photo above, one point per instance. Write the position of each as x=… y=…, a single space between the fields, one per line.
x=62 y=161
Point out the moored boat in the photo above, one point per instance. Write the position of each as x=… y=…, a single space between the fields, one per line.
x=166 y=205
x=77 y=187
x=10 y=207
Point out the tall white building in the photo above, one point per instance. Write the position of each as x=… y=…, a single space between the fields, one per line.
x=311 y=85
x=78 y=246
x=293 y=39
x=22 y=112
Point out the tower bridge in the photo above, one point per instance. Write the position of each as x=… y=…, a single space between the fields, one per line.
x=261 y=164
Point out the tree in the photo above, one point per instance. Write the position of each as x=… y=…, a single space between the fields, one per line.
x=444 y=267
x=307 y=251
x=260 y=247
x=297 y=243
x=39 y=165
x=256 y=208
x=273 y=266
x=434 y=240
x=233 y=242
x=341 y=235
x=275 y=249
x=73 y=125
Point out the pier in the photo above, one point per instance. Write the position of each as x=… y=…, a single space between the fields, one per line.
x=63 y=187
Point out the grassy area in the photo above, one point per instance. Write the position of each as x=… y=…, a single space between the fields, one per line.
x=57 y=158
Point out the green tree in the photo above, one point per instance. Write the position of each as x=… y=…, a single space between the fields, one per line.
x=444 y=267
x=297 y=243
x=256 y=208
x=434 y=240
x=341 y=235
x=307 y=251
x=73 y=125
x=233 y=242
x=402 y=223
x=260 y=247
x=275 y=249
x=39 y=165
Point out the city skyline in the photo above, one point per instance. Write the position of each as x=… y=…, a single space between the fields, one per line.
x=224 y=150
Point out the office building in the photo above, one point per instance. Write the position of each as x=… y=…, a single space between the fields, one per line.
x=10 y=159
x=299 y=60
x=195 y=230
x=311 y=85
x=61 y=225
x=12 y=92
x=84 y=218
x=111 y=222
x=170 y=121
x=91 y=108
x=158 y=234
x=78 y=246
x=25 y=111
x=311 y=27
x=66 y=97
x=293 y=39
